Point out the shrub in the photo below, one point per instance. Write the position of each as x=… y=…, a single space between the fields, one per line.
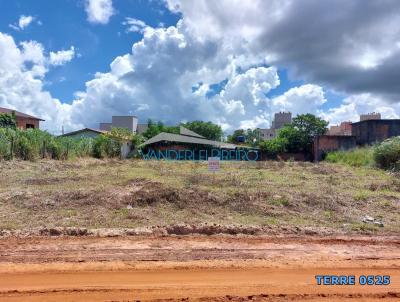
x=8 y=120
x=387 y=154
x=356 y=158
x=105 y=146
x=274 y=146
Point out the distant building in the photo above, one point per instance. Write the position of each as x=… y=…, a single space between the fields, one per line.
x=280 y=120
x=373 y=131
x=105 y=126
x=343 y=129
x=267 y=134
x=24 y=121
x=141 y=128
x=127 y=122
x=370 y=116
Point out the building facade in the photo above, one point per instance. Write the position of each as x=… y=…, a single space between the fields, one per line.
x=371 y=131
x=24 y=121
x=127 y=122
x=343 y=129
x=370 y=116
x=280 y=120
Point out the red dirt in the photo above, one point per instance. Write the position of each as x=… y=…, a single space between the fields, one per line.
x=214 y=268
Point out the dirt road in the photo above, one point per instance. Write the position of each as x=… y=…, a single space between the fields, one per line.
x=215 y=268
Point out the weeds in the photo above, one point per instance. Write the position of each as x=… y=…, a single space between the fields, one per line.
x=360 y=157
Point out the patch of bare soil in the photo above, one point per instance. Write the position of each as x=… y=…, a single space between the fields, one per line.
x=195 y=268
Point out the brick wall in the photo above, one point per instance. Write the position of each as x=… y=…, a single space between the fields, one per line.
x=24 y=123
x=327 y=143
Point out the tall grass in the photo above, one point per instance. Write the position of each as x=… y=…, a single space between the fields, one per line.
x=33 y=144
x=356 y=158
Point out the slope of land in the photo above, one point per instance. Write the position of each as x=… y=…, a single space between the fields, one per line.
x=94 y=194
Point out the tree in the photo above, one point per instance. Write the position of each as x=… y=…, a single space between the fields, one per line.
x=234 y=138
x=274 y=146
x=154 y=129
x=253 y=137
x=302 y=131
x=8 y=120
x=207 y=129
x=310 y=125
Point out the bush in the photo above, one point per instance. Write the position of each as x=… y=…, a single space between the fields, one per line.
x=8 y=120
x=356 y=158
x=387 y=154
x=106 y=146
x=274 y=146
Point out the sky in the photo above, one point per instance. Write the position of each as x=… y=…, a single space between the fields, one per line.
x=75 y=63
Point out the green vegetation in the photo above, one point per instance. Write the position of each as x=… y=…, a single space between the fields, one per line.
x=155 y=128
x=251 y=137
x=207 y=129
x=358 y=157
x=297 y=136
x=33 y=144
x=274 y=146
x=8 y=120
x=387 y=154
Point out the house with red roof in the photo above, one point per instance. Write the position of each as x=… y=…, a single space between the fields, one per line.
x=24 y=121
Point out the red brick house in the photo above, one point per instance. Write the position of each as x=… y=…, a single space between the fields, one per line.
x=24 y=121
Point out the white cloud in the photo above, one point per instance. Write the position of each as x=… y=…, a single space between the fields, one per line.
x=22 y=72
x=350 y=46
x=99 y=11
x=300 y=100
x=21 y=88
x=161 y=72
x=62 y=56
x=156 y=79
x=23 y=22
x=134 y=25
x=355 y=105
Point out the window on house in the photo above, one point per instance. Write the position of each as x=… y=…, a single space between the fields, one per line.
x=30 y=126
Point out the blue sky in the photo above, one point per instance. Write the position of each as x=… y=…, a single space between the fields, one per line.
x=64 y=23
x=77 y=62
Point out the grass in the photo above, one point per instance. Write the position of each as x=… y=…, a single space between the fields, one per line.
x=359 y=157
x=134 y=193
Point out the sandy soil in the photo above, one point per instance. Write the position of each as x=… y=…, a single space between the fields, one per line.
x=198 y=268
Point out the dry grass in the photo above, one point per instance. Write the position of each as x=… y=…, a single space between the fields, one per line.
x=99 y=194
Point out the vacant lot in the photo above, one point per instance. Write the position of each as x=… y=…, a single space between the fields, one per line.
x=133 y=193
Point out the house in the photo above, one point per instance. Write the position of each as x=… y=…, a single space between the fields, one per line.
x=188 y=145
x=24 y=121
x=126 y=144
x=84 y=133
